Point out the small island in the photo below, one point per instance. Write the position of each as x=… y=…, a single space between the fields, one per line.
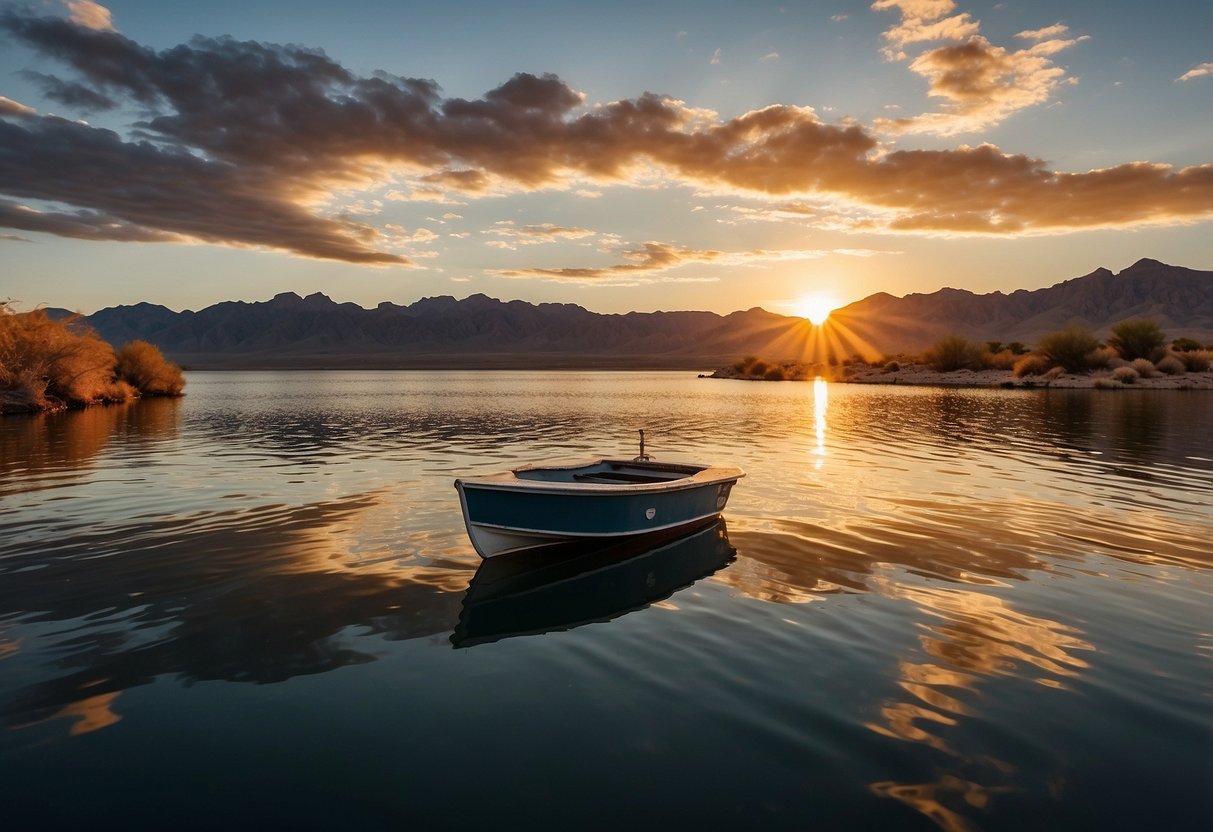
x=1135 y=355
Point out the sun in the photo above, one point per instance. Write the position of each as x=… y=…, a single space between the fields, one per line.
x=816 y=308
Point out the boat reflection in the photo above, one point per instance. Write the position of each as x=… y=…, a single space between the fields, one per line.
x=559 y=588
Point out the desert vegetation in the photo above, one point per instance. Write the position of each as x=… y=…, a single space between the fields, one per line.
x=1135 y=351
x=48 y=364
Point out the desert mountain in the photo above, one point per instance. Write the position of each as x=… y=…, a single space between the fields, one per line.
x=482 y=332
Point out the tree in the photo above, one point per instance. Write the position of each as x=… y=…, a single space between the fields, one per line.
x=1141 y=338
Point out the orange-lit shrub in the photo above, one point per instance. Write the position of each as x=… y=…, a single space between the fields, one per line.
x=1031 y=364
x=48 y=364
x=142 y=365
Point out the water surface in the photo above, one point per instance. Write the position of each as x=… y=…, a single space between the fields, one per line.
x=957 y=609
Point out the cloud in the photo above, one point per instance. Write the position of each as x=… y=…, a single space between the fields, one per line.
x=923 y=21
x=224 y=156
x=715 y=57
x=8 y=107
x=138 y=191
x=770 y=56
x=529 y=235
x=981 y=84
x=643 y=264
x=90 y=15
x=838 y=18
x=1047 y=33
x=1197 y=71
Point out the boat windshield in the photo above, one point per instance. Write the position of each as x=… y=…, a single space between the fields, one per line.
x=615 y=473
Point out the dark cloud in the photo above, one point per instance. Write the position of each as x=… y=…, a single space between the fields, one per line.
x=238 y=142
x=70 y=93
x=128 y=189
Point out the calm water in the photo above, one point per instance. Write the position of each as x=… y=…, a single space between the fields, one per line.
x=925 y=609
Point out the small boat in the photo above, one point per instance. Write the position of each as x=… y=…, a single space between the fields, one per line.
x=539 y=505
x=570 y=584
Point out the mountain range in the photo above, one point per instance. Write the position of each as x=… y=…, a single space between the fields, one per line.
x=480 y=332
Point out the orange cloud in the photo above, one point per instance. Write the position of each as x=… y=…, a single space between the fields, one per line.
x=981 y=84
x=90 y=15
x=1197 y=71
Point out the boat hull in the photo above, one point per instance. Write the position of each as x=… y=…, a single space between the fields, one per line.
x=506 y=513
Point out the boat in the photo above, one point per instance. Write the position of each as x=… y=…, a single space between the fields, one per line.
x=564 y=586
x=603 y=499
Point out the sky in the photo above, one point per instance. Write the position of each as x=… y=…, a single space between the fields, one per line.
x=621 y=156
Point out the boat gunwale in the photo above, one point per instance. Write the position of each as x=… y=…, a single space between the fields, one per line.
x=510 y=481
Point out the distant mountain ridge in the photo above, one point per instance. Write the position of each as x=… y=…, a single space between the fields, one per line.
x=482 y=332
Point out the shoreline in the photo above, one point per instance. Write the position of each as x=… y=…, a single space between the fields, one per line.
x=920 y=375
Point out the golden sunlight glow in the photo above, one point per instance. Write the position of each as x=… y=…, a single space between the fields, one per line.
x=816 y=308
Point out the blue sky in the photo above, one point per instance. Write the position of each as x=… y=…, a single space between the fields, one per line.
x=633 y=155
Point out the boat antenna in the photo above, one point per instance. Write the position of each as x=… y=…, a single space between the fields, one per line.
x=643 y=456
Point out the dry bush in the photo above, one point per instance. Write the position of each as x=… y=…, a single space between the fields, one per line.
x=1185 y=344
x=1102 y=357
x=1001 y=360
x=955 y=353
x=1105 y=383
x=1031 y=364
x=1196 y=361
x=143 y=365
x=47 y=364
x=1069 y=348
x=1125 y=375
x=1170 y=365
x=1055 y=373
x=1143 y=366
x=891 y=367
x=1140 y=338
x=773 y=374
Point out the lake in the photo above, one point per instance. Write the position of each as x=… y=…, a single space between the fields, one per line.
x=924 y=609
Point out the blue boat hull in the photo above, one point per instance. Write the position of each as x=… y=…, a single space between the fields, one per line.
x=505 y=513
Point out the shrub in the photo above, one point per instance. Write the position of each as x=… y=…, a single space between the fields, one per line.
x=1186 y=345
x=891 y=367
x=1002 y=360
x=1170 y=365
x=1031 y=365
x=142 y=365
x=1196 y=361
x=1144 y=368
x=1125 y=375
x=1017 y=348
x=758 y=368
x=48 y=364
x=774 y=374
x=1105 y=383
x=1102 y=357
x=1055 y=373
x=994 y=347
x=1069 y=348
x=1140 y=338
x=955 y=353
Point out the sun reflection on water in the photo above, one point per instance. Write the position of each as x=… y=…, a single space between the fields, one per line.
x=821 y=401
